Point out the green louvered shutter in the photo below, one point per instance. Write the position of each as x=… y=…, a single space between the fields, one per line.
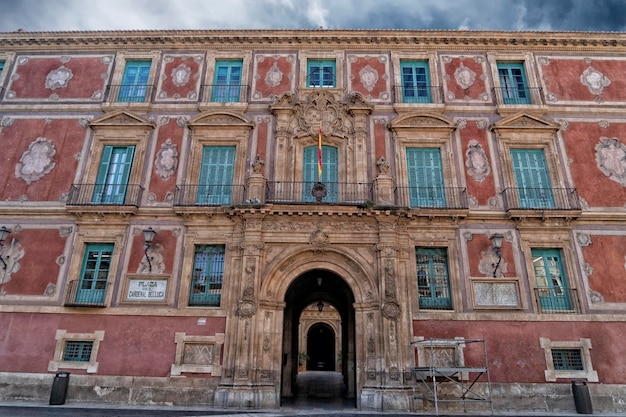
x=215 y=184
x=227 y=81
x=329 y=173
x=531 y=178
x=135 y=82
x=415 y=82
x=426 y=186
x=551 y=281
x=113 y=173
x=513 y=83
x=94 y=273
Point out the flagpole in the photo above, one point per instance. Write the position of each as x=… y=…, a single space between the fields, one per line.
x=319 y=154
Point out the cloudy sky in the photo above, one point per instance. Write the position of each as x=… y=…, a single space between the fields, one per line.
x=557 y=15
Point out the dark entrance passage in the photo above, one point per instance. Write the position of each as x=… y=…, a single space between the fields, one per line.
x=319 y=342
x=321 y=348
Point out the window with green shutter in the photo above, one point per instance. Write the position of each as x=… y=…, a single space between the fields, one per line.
x=113 y=174
x=208 y=273
x=227 y=81
x=531 y=178
x=94 y=274
x=215 y=185
x=425 y=177
x=329 y=176
x=415 y=82
x=513 y=83
x=321 y=73
x=551 y=281
x=134 y=82
x=433 y=284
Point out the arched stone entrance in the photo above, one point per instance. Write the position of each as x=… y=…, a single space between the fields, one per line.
x=319 y=289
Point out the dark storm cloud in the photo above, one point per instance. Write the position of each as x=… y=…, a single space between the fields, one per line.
x=61 y=15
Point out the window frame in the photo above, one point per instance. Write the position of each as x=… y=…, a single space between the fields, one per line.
x=225 y=189
x=195 y=275
x=122 y=57
x=231 y=96
x=135 y=92
x=419 y=194
x=532 y=197
x=113 y=191
x=330 y=172
x=433 y=286
x=209 y=78
x=517 y=88
x=413 y=65
x=322 y=68
x=552 y=374
x=99 y=248
x=62 y=337
x=549 y=285
x=306 y=56
x=181 y=340
x=494 y=58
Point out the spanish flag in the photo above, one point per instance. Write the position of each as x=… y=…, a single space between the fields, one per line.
x=319 y=156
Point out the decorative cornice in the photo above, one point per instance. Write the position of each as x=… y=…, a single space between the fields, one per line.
x=315 y=39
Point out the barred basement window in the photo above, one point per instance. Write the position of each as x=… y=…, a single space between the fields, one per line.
x=77 y=351
x=567 y=359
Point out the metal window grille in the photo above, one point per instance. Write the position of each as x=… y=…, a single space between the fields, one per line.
x=77 y=351
x=567 y=360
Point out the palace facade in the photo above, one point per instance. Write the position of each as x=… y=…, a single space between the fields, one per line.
x=195 y=217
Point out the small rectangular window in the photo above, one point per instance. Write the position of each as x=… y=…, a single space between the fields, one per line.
x=208 y=273
x=513 y=84
x=321 y=73
x=77 y=351
x=567 y=359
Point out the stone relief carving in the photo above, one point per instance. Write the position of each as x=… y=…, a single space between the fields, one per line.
x=166 y=160
x=37 y=161
x=198 y=354
x=611 y=159
x=583 y=239
x=595 y=297
x=274 y=76
x=319 y=240
x=58 y=78
x=369 y=77
x=50 y=290
x=382 y=165
x=464 y=77
x=594 y=80
x=476 y=161
x=319 y=110
x=258 y=164
x=155 y=253
x=11 y=254
x=391 y=310
x=489 y=261
x=181 y=75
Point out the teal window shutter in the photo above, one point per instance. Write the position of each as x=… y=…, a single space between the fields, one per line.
x=330 y=168
x=415 y=82
x=215 y=184
x=94 y=273
x=551 y=281
x=135 y=82
x=425 y=175
x=513 y=83
x=321 y=73
x=208 y=274
x=227 y=81
x=433 y=283
x=113 y=173
x=1 y=67
x=531 y=178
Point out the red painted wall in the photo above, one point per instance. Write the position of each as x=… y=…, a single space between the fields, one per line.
x=165 y=238
x=480 y=244
x=263 y=66
x=477 y=88
x=515 y=354
x=132 y=345
x=67 y=136
x=355 y=79
x=606 y=257
x=160 y=186
x=169 y=87
x=481 y=191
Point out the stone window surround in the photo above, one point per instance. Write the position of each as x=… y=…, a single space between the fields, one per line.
x=396 y=58
x=62 y=336
x=181 y=339
x=339 y=58
x=526 y=59
x=8 y=59
x=583 y=344
x=245 y=58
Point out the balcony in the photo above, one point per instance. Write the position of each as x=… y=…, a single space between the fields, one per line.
x=434 y=201
x=518 y=95
x=541 y=202
x=224 y=93
x=117 y=198
x=557 y=300
x=129 y=93
x=337 y=193
x=199 y=195
x=80 y=294
x=421 y=94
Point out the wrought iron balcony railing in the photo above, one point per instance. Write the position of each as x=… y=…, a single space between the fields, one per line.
x=129 y=93
x=105 y=195
x=420 y=94
x=189 y=195
x=341 y=193
x=86 y=293
x=540 y=199
x=557 y=300
x=444 y=198
x=224 y=93
x=518 y=95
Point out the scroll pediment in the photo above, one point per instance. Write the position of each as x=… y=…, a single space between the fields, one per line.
x=523 y=121
x=121 y=118
x=221 y=119
x=422 y=121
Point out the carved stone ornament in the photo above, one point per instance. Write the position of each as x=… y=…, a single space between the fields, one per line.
x=319 y=240
x=274 y=76
x=258 y=164
x=489 y=262
x=319 y=110
x=11 y=254
x=382 y=165
x=37 y=161
x=181 y=75
x=166 y=160
x=368 y=77
x=464 y=77
x=247 y=308
x=58 y=78
x=611 y=159
x=476 y=161
x=156 y=265
x=594 y=80
x=391 y=310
